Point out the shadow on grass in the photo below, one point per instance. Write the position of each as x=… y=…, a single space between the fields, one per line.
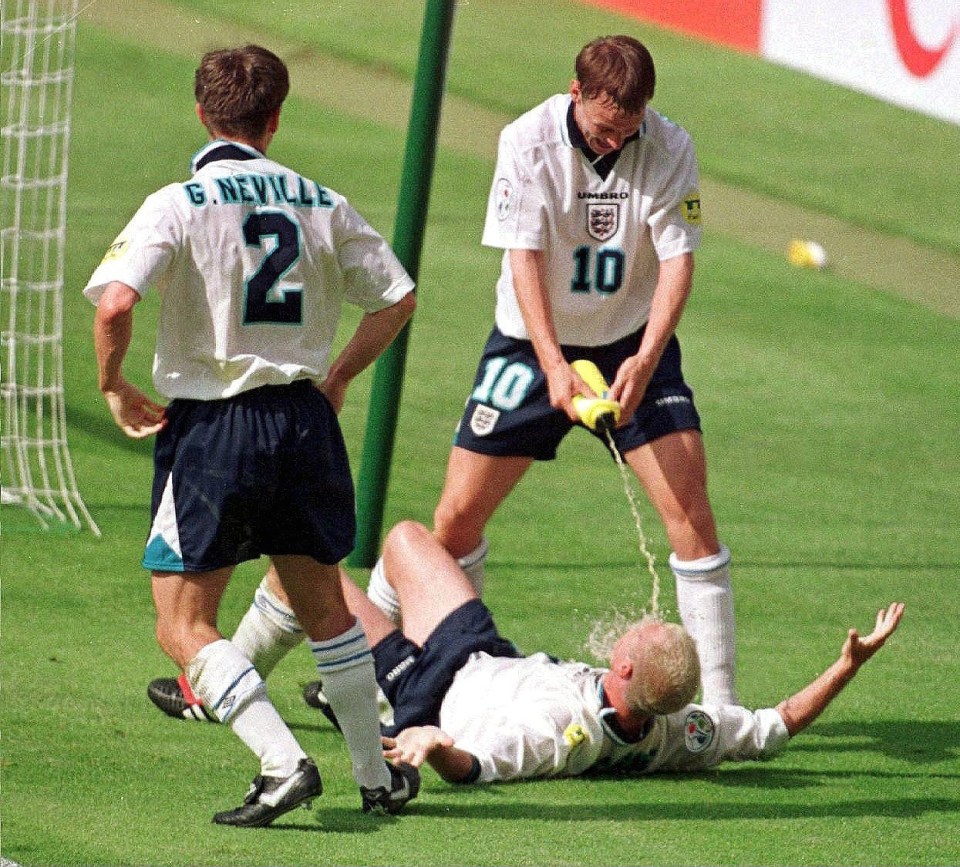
x=918 y=741
x=750 y=790
x=915 y=741
x=340 y=820
x=704 y=810
x=519 y=802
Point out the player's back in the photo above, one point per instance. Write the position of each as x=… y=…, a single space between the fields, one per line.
x=253 y=293
x=264 y=260
x=253 y=262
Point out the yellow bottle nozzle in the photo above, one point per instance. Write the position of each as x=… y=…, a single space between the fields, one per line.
x=597 y=413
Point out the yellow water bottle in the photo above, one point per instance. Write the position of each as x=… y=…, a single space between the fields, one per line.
x=597 y=413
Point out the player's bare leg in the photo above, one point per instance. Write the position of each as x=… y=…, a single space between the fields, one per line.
x=230 y=687
x=376 y=624
x=429 y=589
x=187 y=604
x=474 y=488
x=428 y=580
x=312 y=590
x=672 y=470
x=267 y=632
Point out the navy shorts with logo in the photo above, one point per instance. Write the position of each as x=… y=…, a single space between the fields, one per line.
x=264 y=472
x=415 y=679
x=509 y=411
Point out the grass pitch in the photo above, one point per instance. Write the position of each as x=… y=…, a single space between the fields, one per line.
x=831 y=423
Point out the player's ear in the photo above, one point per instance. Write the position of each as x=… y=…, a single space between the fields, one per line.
x=202 y=117
x=621 y=664
x=575 y=91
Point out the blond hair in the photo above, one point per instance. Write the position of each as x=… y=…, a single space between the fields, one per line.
x=666 y=669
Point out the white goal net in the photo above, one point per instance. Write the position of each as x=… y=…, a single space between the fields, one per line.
x=37 y=39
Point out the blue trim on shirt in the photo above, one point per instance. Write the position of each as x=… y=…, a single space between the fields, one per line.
x=603 y=164
x=222 y=150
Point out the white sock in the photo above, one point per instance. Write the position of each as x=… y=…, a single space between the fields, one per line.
x=346 y=669
x=705 y=601
x=472 y=564
x=268 y=631
x=228 y=684
x=382 y=594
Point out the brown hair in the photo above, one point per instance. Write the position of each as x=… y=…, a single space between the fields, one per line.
x=619 y=67
x=239 y=89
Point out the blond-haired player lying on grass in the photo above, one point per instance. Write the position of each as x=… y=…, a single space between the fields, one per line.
x=469 y=704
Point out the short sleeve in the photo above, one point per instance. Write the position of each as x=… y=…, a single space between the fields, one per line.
x=516 y=216
x=675 y=218
x=701 y=736
x=373 y=276
x=142 y=252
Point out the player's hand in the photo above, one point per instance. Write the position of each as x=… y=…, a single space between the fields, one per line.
x=563 y=384
x=135 y=414
x=629 y=386
x=413 y=745
x=857 y=650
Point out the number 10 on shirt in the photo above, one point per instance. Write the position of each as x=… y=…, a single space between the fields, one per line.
x=602 y=273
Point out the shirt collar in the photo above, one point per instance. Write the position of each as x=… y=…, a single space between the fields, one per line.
x=608 y=721
x=223 y=150
x=578 y=141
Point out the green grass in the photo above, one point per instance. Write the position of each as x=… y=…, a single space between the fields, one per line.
x=831 y=422
x=757 y=125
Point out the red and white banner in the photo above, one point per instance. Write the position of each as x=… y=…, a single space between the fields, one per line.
x=902 y=51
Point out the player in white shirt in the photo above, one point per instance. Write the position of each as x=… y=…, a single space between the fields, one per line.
x=469 y=703
x=252 y=262
x=595 y=202
x=507 y=718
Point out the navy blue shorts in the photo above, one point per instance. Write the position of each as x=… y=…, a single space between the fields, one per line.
x=265 y=472
x=415 y=679
x=509 y=412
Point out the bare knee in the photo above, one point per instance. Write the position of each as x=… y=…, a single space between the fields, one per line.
x=406 y=533
x=404 y=545
x=457 y=528
x=182 y=640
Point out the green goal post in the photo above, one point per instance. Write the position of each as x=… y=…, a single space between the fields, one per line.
x=411 y=219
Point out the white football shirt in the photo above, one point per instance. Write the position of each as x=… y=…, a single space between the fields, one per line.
x=252 y=262
x=602 y=238
x=532 y=717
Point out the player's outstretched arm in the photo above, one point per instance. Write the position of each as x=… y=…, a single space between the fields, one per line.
x=419 y=744
x=801 y=709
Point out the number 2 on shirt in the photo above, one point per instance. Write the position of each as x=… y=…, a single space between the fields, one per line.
x=264 y=301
